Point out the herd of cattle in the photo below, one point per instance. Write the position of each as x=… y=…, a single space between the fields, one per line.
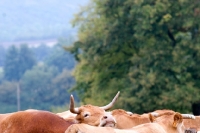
x=95 y=119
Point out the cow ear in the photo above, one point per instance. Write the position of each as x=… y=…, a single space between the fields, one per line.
x=177 y=119
x=151 y=117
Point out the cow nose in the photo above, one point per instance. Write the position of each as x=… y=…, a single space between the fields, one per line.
x=105 y=117
x=108 y=118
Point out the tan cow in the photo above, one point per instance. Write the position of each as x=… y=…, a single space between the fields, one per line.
x=32 y=121
x=67 y=114
x=171 y=123
x=89 y=114
x=84 y=128
x=126 y=120
x=188 y=123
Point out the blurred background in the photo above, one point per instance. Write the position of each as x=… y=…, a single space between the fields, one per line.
x=35 y=70
x=147 y=50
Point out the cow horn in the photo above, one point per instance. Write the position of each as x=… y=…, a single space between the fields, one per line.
x=188 y=116
x=107 y=107
x=71 y=106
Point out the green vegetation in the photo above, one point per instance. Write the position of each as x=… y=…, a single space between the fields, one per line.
x=148 y=50
x=42 y=76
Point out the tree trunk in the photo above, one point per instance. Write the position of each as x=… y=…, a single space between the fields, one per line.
x=18 y=97
x=196 y=108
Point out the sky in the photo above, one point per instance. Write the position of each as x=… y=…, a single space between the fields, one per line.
x=37 y=19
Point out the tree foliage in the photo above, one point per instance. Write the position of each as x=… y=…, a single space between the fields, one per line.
x=8 y=97
x=60 y=58
x=44 y=87
x=11 y=67
x=41 y=52
x=149 y=50
x=26 y=59
x=17 y=62
x=41 y=85
x=2 y=55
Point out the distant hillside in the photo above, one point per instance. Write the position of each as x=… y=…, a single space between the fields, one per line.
x=36 y=19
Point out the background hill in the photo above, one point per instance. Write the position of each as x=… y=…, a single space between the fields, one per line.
x=36 y=19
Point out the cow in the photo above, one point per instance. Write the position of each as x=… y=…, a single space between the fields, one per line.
x=39 y=121
x=90 y=114
x=164 y=120
x=188 y=123
x=125 y=120
x=85 y=128
x=171 y=123
x=66 y=114
x=32 y=121
x=161 y=111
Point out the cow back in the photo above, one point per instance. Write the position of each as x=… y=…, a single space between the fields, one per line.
x=125 y=120
x=33 y=122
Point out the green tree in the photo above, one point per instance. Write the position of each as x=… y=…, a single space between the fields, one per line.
x=44 y=87
x=11 y=67
x=60 y=58
x=62 y=82
x=41 y=52
x=149 y=50
x=8 y=97
x=36 y=87
x=16 y=64
x=2 y=55
x=26 y=59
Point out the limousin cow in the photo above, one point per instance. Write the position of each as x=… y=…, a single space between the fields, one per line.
x=32 y=121
x=90 y=114
x=125 y=120
x=171 y=123
x=188 y=123
x=39 y=121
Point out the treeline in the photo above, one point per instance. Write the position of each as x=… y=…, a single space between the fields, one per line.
x=35 y=77
x=149 y=50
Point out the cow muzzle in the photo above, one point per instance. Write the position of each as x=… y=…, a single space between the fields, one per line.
x=107 y=121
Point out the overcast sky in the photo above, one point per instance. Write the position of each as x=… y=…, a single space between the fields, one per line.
x=21 y=19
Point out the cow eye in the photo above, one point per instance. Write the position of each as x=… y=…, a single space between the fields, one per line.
x=86 y=115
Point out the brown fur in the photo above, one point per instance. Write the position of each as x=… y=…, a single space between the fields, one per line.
x=95 y=113
x=169 y=121
x=195 y=124
x=188 y=123
x=152 y=118
x=125 y=120
x=84 y=128
x=163 y=111
x=33 y=122
x=160 y=126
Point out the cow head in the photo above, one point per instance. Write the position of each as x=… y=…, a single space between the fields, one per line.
x=171 y=121
x=94 y=115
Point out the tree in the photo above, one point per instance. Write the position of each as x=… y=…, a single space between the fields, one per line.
x=41 y=52
x=147 y=49
x=62 y=82
x=2 y=55
x=11 y=67
x=7 y=97
x=26 y=59
x=60 y=58
x=16 y=64
x=44 y=87
x=36 y=87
